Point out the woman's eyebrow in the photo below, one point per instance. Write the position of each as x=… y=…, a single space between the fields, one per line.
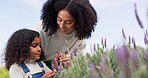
x=66 y=20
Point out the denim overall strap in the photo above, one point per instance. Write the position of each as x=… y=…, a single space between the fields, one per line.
x=27 y=71
x=24 y=67
x=40 y=64
x=38 y=75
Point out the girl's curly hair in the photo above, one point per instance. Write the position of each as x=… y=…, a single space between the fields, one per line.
x=81 y=10
x=17 y=48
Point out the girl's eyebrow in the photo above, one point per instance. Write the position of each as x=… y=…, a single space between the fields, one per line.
x=34 y=43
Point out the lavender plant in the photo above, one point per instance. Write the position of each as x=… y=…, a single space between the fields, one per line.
x=126 y=61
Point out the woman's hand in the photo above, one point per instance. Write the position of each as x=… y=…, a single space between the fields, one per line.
x=48 y=75
x=60 y=58
x=64 y=58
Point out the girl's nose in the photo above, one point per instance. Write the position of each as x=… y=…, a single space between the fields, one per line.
x=39 y=49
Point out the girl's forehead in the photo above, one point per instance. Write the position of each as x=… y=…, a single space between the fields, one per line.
x=36 y=40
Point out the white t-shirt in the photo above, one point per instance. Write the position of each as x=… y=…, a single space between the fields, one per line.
x=16 y=71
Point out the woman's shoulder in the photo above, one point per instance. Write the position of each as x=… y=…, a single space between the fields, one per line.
x=38 y=26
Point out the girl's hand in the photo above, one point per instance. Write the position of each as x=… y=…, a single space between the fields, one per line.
x=48 y=75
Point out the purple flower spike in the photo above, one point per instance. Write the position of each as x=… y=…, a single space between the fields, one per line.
x=74 y=52
x=129 y=40
x=145 y=39
x=59 y=69
x=120 y=76
x=105 y=43
x=134 y=58
x=102 y=66
x=94 y=47
x=123 y=34
x=137 y=17
x=146 y=56
x=133 y=41
x=122 y=55
x=93 y=72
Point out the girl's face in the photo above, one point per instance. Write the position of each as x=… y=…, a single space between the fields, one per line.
x=65 y=22
x=35 y=49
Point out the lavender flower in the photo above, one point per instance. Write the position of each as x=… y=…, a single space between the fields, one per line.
x=134 y=58
x=93 y=72
x=123 y=34
x=137 y=17
x=105 y=45
x=129 y=42
x=102 y=64
x=74 y=52
x=133 y=41
x=145 y=39
x=122 y=56
x=120 y=75
x=146 y=56
x=59 y=69
x=102 y=41
x=95 y=47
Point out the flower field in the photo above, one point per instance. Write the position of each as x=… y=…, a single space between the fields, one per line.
x=126 y=61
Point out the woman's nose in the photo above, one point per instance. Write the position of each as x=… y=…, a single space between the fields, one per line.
x=62 y=25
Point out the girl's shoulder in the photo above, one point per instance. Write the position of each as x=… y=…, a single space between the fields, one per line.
x=15 y=68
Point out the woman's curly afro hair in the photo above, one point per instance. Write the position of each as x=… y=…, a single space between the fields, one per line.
x=81 y=10
x=17 y=48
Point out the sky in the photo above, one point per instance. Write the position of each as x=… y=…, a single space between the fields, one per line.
x=113 y=16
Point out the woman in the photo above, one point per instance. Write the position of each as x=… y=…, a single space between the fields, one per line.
x=65 y=26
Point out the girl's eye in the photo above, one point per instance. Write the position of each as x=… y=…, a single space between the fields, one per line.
x=34 y=45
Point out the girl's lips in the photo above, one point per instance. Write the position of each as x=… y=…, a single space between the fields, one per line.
x=38 y=54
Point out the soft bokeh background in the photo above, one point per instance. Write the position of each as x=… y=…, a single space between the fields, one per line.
x=113 y=16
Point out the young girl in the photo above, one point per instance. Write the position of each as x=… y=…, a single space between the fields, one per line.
x=23 y=56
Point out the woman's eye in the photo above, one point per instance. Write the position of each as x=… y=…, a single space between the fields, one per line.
x=59 y=19
x=68 y=22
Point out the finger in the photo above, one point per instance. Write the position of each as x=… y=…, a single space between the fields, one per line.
x=65 y=58
x=66 y=64
x=51 y=74
x=62 y=54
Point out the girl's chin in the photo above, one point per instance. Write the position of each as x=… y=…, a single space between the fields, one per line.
x=36 y=58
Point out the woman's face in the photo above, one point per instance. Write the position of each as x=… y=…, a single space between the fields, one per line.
x=35 y=49
x=65 y=22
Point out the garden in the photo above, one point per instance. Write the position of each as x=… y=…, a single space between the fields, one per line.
x=126 y=61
